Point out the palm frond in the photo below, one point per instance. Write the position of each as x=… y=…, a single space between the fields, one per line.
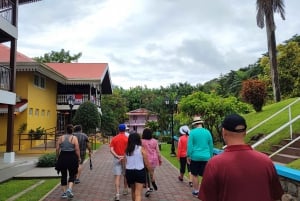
x=278 y=6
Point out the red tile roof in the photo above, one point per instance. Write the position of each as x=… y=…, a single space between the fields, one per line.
x=80 y=70
x=5 y=55
x=140 y=111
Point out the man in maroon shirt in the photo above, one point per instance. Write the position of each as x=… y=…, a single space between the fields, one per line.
x=239 y=173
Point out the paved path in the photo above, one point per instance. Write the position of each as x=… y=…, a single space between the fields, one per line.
x=98 y=184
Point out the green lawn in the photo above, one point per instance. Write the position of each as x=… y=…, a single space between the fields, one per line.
x=14 y=186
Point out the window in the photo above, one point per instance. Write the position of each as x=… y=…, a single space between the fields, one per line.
x=30 y=111
x=39 y=81
x=43 y=113
x=48 y=113
x=37 y=112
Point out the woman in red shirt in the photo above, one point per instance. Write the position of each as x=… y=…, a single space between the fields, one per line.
x=181 y=153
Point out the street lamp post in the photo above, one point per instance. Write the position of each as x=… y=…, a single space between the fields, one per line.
x=71 y=104
x=172 y=106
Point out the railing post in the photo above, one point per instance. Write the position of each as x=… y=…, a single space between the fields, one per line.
x=45 y=141
x=291 y=126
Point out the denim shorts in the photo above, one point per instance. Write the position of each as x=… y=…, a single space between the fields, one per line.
x=119 y=167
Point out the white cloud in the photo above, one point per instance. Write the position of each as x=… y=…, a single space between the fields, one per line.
x=154 y=43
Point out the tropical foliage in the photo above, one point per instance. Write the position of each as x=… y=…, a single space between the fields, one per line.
x=254 y=92
x=58 y=57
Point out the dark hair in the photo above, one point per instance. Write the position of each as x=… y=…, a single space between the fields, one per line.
x=147 y=134
x=77 y=128
x=69 y=129
x=133 y=140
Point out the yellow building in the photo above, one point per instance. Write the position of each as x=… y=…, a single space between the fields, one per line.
x=43 y=92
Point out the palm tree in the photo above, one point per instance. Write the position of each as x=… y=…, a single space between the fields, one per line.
x=265 y=14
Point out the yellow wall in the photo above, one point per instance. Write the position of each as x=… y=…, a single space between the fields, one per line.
x=43 y=105
x=41 y=99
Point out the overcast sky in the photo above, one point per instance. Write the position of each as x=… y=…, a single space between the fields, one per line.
x=153 y=43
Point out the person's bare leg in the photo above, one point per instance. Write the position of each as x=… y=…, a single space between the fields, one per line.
x=64 y=188
x=117 y=183
x=79 y=171
x=71 y=185
x=195 y=183
x=132 y=192
x=138 y=191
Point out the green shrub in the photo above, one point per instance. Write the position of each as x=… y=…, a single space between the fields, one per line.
x=47 y=160
x=37 y=134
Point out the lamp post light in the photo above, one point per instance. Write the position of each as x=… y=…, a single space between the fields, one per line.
x=71 y=104
x=172 y=105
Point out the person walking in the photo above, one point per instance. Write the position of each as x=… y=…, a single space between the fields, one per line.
x=84 y=144
x=199 y=151
x=239 y=173
x=118 y=146
x=136 y=161
x=182 y=154
x=151 y=146
x=67 y=160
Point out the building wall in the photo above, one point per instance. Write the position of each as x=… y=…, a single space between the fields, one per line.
x=41 y=110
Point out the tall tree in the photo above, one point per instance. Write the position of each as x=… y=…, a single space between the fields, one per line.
x=58 y=57
x=265 y=14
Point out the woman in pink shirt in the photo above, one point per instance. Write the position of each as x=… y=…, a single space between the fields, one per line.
x=151 y=146
x=181 y=153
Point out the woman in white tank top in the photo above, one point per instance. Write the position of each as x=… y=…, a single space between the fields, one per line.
x=136 y=161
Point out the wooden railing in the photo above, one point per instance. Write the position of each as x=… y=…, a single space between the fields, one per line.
x=50 y=135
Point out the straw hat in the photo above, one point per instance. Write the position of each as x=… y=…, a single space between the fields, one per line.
x=197 y=120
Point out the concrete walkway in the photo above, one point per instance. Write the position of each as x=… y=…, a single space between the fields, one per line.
x=98 y=184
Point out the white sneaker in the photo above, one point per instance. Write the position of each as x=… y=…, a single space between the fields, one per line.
x=117 y=197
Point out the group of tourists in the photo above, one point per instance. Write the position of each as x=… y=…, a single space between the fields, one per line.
x=239 y=173
x=135 y=158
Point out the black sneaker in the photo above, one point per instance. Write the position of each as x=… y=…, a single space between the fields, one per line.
x=77 y=181
x=64 y=196
x=154 y=185
x=147 y=194
x=195 y=193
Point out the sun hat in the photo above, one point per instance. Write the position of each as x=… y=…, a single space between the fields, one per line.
x=197 y=120
x=184 y=130
x=122 y=127
x=234 y=123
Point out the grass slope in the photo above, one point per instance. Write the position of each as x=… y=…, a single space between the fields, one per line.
x=256 y=117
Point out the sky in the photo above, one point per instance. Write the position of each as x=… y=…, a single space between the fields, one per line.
x=153 y=43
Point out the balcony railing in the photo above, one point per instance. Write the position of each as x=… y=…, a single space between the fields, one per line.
x=62 y=99
x=4 y=78
x=6 y=10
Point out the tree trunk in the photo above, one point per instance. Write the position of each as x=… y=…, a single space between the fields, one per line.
x=273 y=58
